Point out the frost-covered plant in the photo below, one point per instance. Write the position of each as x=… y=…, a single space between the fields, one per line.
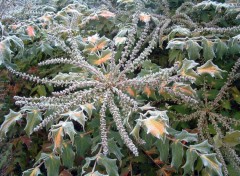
x=108 y=81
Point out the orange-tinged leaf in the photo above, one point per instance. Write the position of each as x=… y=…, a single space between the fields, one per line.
x=148 y=91
x=106 y=14
x=131 y=92
x=144 y=17
x=30 y=31
x=210 y=68
x=103 y=59
x=183 y=88
x=58 y=138
x=156 y=127
x=93 y=38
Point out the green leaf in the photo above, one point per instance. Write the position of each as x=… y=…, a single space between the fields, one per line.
x=203 y=147
x=212 y=164
x=67 y=155
x=163 y=148
x=59 y=131
x=185 y=136
x=51 y=162
x=87 y=163
x=187 y=69
x=191 y=157
x=193 y=49
x=109 y=164
x=234 y=46
x=78 y=116
x=232 y=138
x=221 y=48
x=41 y=90
x=46 y=48
x=10 y=120
x=176 y=45
x=217 y=141
x=96 y=173
x=179 y=32
x=71 y=76
x=208 y=52
x=34 y=117
x=82 y=143
x=113 y=148
x=32 y=172
x=210 y=68
x=177 y=154
x=69 y=130
x=97 y=46
x=100 y=59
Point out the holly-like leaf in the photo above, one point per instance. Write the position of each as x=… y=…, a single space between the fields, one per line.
x=57 y=135
x=157 y=123
x=10 y=121
x=103 y=58
x=210 y=68
x=67 y=155
x=193 y=49
x=78 y=116
x=163 y=148
x=184 y=88
x=99 y=45
x=177 y=154
x=32 y=172
x=149 y=92
x=186 y=136
x=82 y=143
x=232 y=138
x=46 y=48
x=187 y=69
x=88 y=108
x=113 y=148
x=221 y=48
x=70 y=76
x=109 y=164
x=208 y=52
x=179 y=32
x=174 y=44
x=191 y=157
x=51 y=162
x=212 y=164
x=217 y=141
x=59 y=131
x=34 y=117
x=203 y=147
x=87 y=163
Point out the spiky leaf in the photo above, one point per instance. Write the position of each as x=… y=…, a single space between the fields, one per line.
x=210 y=68
x=51 y=162
x=232 y=138
x=221 y=48
x=187 y=69
x=186 y=136
x=163 y=148
x=109 y=164
x=34 y=117
x=208 y=52
x=113 y=148
x=67 y=155
x=177 y=154
x=203 y=147
x=191 y=157
x=212 y=164
x=32 y=172
x=9 y=121
x=100 y=59
x=193 y=49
